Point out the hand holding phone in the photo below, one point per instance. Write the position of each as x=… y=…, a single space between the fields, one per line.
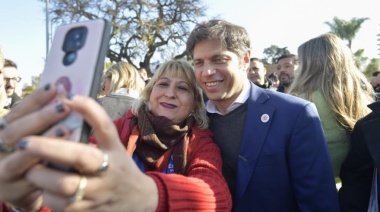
x=75 y=65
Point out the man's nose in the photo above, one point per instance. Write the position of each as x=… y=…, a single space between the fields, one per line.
x=209 y=69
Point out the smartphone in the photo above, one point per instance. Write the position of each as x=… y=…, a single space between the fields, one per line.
x=75 y=65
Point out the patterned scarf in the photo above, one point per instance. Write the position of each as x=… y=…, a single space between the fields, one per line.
x=159 y=137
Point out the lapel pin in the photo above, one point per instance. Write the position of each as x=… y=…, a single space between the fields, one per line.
x=265 y=118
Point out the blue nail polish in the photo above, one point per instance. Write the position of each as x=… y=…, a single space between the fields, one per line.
x=47 y=87
x=59 y=132
x=69 y=95
x=23 y=144
x=60 y=108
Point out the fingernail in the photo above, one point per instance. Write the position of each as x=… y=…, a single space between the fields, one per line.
x=60 y=108
x=69 y=95
x=23 y=144
x=59 y=132
x=47 y=87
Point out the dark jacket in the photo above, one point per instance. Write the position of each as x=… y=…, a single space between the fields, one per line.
x=15 y=100
x=357 y=170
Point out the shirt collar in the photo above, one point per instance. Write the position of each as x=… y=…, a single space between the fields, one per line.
x=243 y=96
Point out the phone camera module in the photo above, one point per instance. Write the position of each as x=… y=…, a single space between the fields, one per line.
x=69 y=58
x=74 y=40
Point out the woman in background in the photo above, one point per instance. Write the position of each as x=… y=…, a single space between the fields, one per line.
x=121 y=86
x=328 y=77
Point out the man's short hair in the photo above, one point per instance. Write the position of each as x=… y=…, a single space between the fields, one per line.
x=293 y=56
x=255 y=59
x=10 y=63
x=374 y=74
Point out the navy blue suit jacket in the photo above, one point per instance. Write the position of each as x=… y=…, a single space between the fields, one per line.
x=284 y=164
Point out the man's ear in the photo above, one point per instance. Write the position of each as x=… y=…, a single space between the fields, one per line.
x=246 y=59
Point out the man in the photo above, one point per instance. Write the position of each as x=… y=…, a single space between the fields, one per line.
x=375 y=82
x=11 y=78
x=274 y=152
x=286 y=66
x=256 y=73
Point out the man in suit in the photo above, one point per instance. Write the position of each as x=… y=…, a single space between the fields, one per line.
x=256 y=73
x=274 y=152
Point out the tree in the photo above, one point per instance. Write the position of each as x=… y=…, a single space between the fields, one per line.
x=272 y=53
x=360 y=60
x=346 y=30
x=140 y=27
x=371 y=67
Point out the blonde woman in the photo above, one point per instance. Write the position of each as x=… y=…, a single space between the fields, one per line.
x=327 y=75
x=122 y=79
x=121 y=86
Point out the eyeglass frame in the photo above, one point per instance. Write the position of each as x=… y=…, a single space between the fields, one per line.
x=17 y=79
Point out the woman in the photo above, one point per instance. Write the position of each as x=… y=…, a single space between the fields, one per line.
x=327 y=75
x=121 y=86
x=165 y=132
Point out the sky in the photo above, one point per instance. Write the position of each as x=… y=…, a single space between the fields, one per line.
x=285 y=23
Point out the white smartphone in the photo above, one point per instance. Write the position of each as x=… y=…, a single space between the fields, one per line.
x=75 y=65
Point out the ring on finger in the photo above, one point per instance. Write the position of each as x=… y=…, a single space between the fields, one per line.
x=4 y=148
x=79 y=193
x=105 y=164
x=3 y=122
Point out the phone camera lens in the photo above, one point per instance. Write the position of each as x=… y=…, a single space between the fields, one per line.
x=69 y=58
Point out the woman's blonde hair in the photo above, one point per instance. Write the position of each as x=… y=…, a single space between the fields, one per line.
x=327 y=64
x=123 y=75
x=181 y=69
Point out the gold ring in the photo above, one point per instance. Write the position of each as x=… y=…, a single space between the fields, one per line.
x=3 y=122
x=79 y=193
x=4 y=148
x=105 y=164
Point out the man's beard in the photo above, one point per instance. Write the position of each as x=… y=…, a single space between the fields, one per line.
x=288 y=82
x=9 y=91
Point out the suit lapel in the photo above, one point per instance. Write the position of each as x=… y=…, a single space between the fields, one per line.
x=257 y=123
x=373 y=139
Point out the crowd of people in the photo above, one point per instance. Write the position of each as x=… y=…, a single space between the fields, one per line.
x=218 y=133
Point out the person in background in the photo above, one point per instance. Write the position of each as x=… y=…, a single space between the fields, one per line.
x=159 y=157
x=328 y=77
x=144 y=75
x=273 y=77
x=256 y=73
x=359 y=169
x=11 y=78
x=121 y=86
x=375 y=82
x=275 y=156
x=286 y=65
x=3 y=95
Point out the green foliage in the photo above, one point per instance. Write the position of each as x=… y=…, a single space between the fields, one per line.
x=360 y=60
x=346 y=30
x=272 y=53
x=371 y=67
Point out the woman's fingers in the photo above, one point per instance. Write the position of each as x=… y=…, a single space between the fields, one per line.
x=82 y=157
x=35 y=101
x=33 y=123
x=59 y=188
x=104 y=129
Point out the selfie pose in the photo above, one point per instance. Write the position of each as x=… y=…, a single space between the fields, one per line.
x=160 y=157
